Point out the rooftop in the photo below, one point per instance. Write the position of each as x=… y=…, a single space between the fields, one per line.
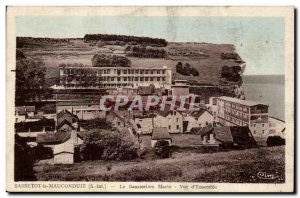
x=160 y=133
x=242 y=102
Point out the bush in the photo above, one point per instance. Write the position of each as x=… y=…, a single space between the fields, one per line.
x=186 y=70
x=162 y=149
x=100 y=44
x=275 y=141
x=40 y=153
x=107 y=145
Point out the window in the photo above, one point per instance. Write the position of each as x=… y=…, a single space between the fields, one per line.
x=263 y=125
x=169 y=127
x=175 y=113
x=177 y=127
x=158 y=71
x=177 y=119
x=125 y=71
x=158 y=78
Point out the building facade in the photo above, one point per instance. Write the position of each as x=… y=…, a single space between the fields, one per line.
x=235 y=112
x=113 y=77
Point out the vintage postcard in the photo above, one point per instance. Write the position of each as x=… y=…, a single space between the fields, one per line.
x=150 y=99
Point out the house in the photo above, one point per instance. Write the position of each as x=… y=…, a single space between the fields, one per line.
x=160 y=134
x=199 y=118
x=51 y=139
x=30 y=129
x=226 y=136
x=236 y=112
x=63 y=154
x=171 y=119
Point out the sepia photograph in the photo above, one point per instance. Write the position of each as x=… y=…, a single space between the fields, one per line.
x=153 y=99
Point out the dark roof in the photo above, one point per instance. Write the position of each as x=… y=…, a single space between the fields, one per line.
x=197 y=114
x=223 y=134
x=23 y=109
x=241 y=135
x=195 y=130
x=160 y=133
x=56 y=138
x=49 y=138
x=63 y=122
x=35 y=126
x=167 y=111
x=205 y=130
x=66 y=115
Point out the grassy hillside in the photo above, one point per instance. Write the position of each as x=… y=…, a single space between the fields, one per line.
x=206 y=58
x=240 y=166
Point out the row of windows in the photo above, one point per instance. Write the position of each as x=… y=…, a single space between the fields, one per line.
x=235 y=121
x=119 y=71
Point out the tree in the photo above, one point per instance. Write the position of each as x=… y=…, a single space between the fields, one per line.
x=108 y=145
x=30 y=81
x=23 y=161
x=162 y=149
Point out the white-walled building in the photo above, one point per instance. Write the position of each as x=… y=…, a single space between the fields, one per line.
x=235 y=112
x=112 y=77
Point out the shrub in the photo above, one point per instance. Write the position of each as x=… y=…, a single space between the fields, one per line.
x=186 y=70
x=275 y=141
x=100 y=44
x=162 y=149
x=40 y=152
x=107 y=145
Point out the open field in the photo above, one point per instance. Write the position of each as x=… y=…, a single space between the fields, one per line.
x=244 y=166
x=76 y=51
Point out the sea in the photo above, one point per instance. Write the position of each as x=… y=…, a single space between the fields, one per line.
x=267 y=89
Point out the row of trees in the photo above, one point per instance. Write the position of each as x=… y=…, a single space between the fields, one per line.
x=102 y=60
x=31 y=84
x=21 y=41
x=186 y=69
x=145 y=52
x=155 y=42
x=233 y=56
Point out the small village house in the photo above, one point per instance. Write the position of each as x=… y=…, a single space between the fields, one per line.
x=171 y=119
x=199 y=118
x=226 y=136
x=160 y=134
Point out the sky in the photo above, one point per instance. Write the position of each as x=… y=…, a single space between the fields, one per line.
x=258 y=40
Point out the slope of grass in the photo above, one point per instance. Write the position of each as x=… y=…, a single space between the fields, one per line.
x=229 y=167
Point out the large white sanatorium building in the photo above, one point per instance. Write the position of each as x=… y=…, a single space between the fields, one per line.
x=235 y=112
x=113 y=77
